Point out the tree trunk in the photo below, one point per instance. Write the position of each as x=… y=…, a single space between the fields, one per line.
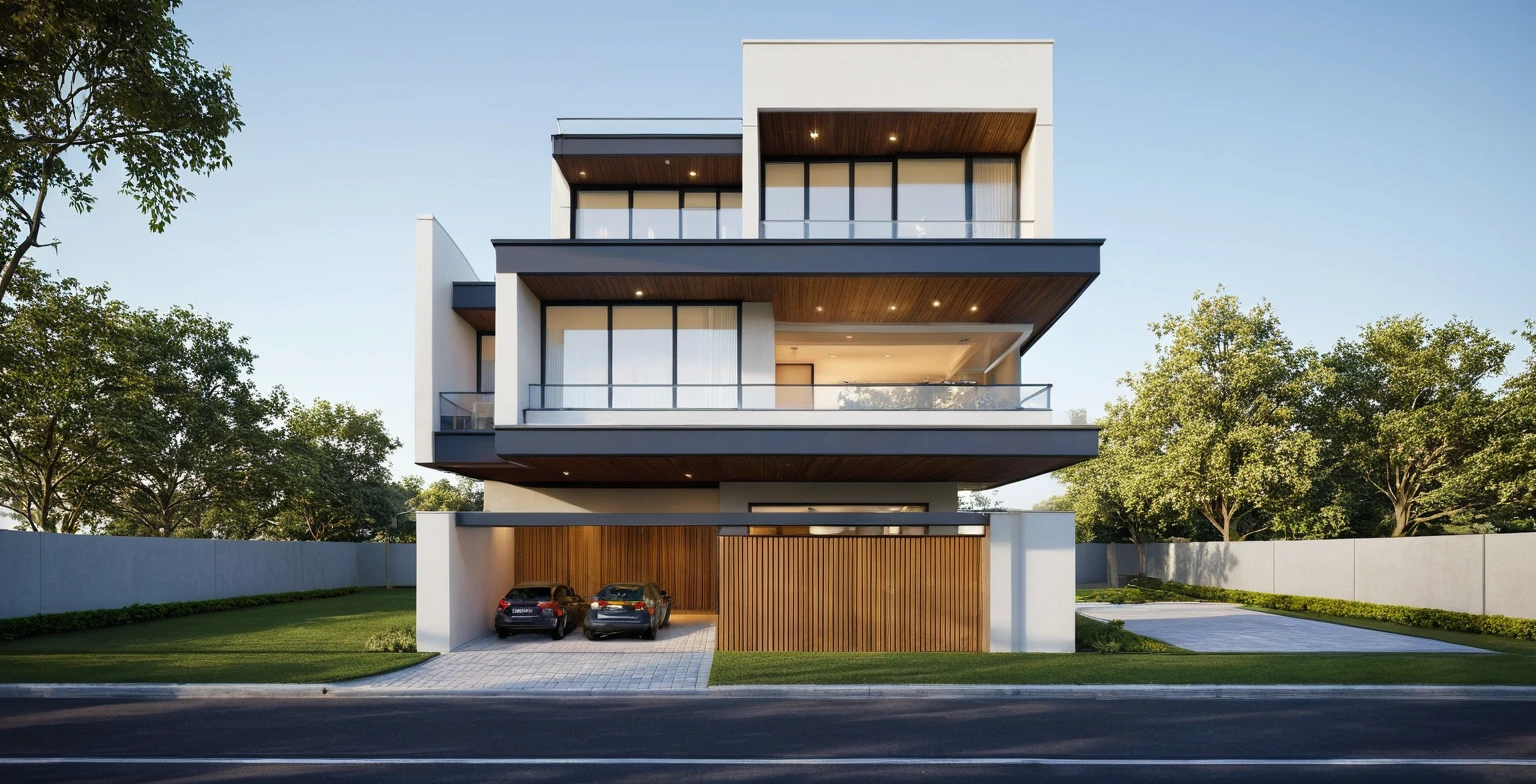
x=1141 y=559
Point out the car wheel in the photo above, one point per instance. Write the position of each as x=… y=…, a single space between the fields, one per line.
x=649 y=633
x=501 y=634
x=589 y=634
x=559 y=632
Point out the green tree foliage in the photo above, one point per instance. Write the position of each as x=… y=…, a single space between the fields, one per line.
x=1406 y=410
x=1219 y=411
x=459 y=495
x=335 y=485
x=972 y=501
x=83 y=82
x=63 y=375
x=1503 y=471
x=197 y=430
x=1120 y=496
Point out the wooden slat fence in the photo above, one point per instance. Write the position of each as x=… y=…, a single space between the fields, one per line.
x=682 y=559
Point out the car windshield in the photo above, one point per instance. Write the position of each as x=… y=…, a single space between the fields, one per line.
x=622 y=593
x=529 y=594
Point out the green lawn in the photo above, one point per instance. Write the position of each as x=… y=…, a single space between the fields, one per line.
x=312 y=641
x=1514 y=664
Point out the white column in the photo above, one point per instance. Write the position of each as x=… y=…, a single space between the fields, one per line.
x=1032 y=568
x=460 y=573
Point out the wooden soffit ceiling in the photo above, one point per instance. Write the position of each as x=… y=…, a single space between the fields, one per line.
x=842 y=133
x=683 y=171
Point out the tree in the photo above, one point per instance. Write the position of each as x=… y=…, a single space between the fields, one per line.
x=460 y=495
x=86 y=81
x=1220 y=406
x=1406 y=410
x=64 y=377
x=1508 y=462
x=1119 y=495
x=979 y=500
x=335 y=484
x=197 y=430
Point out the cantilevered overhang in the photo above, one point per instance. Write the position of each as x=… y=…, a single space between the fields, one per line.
x=743 y=519
x=475 y=302
x=1015 y=281
x=980 y=457
x=650 y=159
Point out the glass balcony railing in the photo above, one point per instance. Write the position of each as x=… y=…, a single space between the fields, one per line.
x=778 y=397
x=894 y=229
x=651 y=126
x=466 y=411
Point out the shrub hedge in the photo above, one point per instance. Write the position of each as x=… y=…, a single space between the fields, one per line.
x=1423 y=617
x=26 y=626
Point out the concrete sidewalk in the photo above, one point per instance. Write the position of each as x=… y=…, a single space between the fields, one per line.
x=1207 y=627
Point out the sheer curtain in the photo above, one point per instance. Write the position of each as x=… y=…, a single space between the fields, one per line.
x=930 y=197
x=707 y=366
x=994 y=198
x=642 y=356
x=576 y=357
x=602 y=215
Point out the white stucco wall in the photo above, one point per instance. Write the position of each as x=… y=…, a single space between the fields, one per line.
x=1032 y=573
x=559 y=204
x=1315 y=567
x=445 y=343
x=757 y=357
x=518 y=352
x=1430 y=571
x=1510 y=575
x=738 y=496
x=903 y=75
x=502 y=497
x=461 y=572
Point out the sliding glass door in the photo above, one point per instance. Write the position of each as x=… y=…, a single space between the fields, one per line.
x=937 y=197
x=708 y=370
x=576 y=357
x=641 y=356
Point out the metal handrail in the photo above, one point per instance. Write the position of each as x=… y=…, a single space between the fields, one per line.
x=896 y=229
x=850 y=397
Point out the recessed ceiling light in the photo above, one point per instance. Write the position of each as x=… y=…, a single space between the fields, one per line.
x=690 y=476
x=693 y=174
x=893 y=307
x=639 y=293
x=667 y=162
x=582 y=173
x=850 y=337
x=833 y=356
x=935 y=303
x=815 y=135
x=818 y=308
x=893 y=137
x=567 y=473
x=973 y=307
x=887 y=356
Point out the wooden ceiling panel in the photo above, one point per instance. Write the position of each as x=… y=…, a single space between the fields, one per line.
x=972 y=471
x=1034 y=300
x=715 y=171
x=482 y=319
x=788 y=134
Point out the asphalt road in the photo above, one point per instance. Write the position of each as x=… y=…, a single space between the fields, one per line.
x=758 y=740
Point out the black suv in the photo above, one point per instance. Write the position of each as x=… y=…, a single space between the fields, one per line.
x=539 y=607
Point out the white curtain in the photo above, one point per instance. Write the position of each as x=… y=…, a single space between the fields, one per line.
x=576 y=357
x=707 y=366
x=994 y=198
x=642 y=356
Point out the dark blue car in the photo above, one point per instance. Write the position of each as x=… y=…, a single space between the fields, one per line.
x=633 y=608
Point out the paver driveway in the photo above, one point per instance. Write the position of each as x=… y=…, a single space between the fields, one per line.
x=678 y=658
x=1228 y=628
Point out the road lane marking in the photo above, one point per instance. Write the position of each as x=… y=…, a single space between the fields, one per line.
x=791 y=761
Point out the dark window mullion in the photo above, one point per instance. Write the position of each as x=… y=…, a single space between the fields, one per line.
x=674 y=356
x=610 y=352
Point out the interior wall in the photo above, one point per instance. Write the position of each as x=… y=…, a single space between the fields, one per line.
x=503 y=497
x=940 y=496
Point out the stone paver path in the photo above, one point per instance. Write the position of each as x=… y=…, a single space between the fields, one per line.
x=1227 y=628
x=678 y=658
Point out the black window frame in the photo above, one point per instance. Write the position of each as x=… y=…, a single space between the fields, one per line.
x=631 y=189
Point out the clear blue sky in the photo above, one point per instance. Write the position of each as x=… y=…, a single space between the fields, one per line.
x=1345 y=160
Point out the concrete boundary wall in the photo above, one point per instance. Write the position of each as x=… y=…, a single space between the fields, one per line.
x=52 y=573
x=1493 y=574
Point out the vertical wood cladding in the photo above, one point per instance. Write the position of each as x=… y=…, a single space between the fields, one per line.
x=681 y=559
x=853 y=593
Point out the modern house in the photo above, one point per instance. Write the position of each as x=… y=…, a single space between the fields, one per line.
x=757 y=358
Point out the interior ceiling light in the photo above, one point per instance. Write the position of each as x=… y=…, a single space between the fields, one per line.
x=935 y=303
x=815 y=135
x=887 y=356
x=832 y=356
x=818 y=308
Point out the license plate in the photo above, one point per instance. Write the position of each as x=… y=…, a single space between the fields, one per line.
x=522 y=611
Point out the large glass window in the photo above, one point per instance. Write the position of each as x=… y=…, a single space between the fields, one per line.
x=642 y=356
x=655 y=215
x=730 y=215
x=699 y=216
x=828 y=196
x=487 y=372
x=708 y=370
x=602 y=215
x=872 y=199
x=576 y=357
x=784 y=200
x=994 y=198
x=930 y=197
